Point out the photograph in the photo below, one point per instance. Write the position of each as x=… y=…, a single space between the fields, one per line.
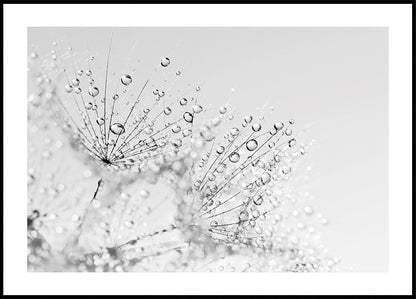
x=208 y=149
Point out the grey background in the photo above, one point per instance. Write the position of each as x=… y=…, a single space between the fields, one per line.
x=333 y=81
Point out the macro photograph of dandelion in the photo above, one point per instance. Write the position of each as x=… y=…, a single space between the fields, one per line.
x=134 y=165
x=207 y=150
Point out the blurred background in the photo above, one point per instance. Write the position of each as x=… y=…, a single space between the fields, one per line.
x=332 y=81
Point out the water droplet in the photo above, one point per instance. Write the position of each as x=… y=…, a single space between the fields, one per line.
x=167 y=111
x=256 y=127
x=30 y=179
x=75 y=82
x=243 y=216
x=278 y=126
x=117 y=129
x=197 y=108
x=214 y=223
x=177 y=142
x=220 y=149
x=265 y=178
x=100 y=121
x=186 y=133
x=165 y=62
x=176 y=129
x=80 y=72
x=68 y=88
x=286 y=169
x=223 y=110
x=207 y=135
x=252 y=144
x=308 y=210
x=93 y=91
x=89 y=106
x=234 y=157
x=216 y=121
x=258 y=200
x=234 y=131
x=188 y=117
x=183 y=102
x=248 y=119
x=126 y=79
x=292 y=142
x=178 y=73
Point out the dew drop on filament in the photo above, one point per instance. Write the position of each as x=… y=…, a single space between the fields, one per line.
x=234 y=157
x=126 y=79
x=117 y=129
x=100 y=121
x=93 y=91
x=188 y=117
x=251 y=145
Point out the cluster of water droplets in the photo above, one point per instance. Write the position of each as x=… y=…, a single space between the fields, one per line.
x=122 y=121
x=239 y=199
